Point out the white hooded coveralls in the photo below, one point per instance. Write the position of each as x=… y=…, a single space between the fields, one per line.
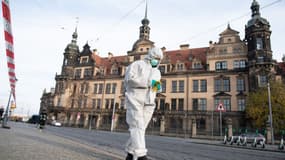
x=140 y=100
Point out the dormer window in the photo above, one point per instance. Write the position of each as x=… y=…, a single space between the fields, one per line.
x=197 y=65
x=162 y=69
x=180 y=67
x=84 y=60
x=115 y=71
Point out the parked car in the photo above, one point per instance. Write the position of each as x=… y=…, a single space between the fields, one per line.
x=56 y=123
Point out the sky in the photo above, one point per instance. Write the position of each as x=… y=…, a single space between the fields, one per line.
x=42 y=29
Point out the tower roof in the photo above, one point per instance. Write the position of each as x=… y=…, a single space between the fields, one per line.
x=255 y=16
x=73 y=47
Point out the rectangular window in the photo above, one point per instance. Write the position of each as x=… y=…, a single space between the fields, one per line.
x=195 y=104
x=112 y=104
x=79 y=103
x=221 y=65
x=262 y=80
x=95 y=88
x=108 y=88
x=162 y=104
x=227 y=104
x=236 y=64
x=181 y=86
x=107 y=103
x=98 y=103
x=180 y=67
x=87 y=72
x=203 y=85
x=100 y=91
x=180 y=104
x=77 y=73
x=86 y=88
x=122 y=87
x=163 y=86
x=203 y=104
x=82 y=88
x=241 y=104
x=226 y=85
x=218 y=66
x=242 y=64
x=122 y=103
x=195 y=86
x=240 y=85
x=84 y=60
x=174 y=86
x=224 y=65
x=173 y=104
x=259 y=43
x=225 y=101
x=114 y=85
x=93 y=103
x=218 y=85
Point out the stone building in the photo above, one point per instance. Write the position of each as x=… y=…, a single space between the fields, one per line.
x=195 y=81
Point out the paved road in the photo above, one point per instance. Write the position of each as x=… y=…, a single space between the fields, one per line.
x=73 y=143
x=26 y=142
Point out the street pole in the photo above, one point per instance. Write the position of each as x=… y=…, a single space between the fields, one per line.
x=270 y=112
x=113 y=116
x=221 y=127
x=5 y=119
x=213 y=123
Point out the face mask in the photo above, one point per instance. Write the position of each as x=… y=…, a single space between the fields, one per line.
x=154 y=62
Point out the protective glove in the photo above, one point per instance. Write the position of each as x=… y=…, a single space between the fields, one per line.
x=155 y=85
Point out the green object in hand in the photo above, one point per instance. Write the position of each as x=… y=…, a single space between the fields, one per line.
x=155 y=85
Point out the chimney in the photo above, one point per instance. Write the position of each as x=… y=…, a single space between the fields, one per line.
x=163 y=49
x=184 y=46
x=110 y=55
x=211 y=45
x=94 y=51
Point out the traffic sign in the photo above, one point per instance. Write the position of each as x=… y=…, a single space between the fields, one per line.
x=221 y=107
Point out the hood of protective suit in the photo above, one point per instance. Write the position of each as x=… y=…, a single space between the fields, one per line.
x=154 y=53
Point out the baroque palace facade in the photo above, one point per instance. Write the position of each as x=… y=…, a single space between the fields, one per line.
x=194 y=82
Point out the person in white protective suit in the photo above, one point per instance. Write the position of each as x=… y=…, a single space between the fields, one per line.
x=142 y=82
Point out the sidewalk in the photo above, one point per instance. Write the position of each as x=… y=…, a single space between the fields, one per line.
x=31 y=144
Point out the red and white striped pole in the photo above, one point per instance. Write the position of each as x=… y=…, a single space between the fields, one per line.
x=9 y=46
x=10 y=56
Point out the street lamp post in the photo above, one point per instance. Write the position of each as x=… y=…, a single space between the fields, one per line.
x=270 y=112
x=113 y=116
